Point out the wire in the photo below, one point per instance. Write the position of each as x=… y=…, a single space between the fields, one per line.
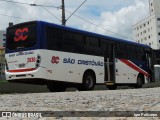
x=75 y=11
x=15 y=17
x=98 y=25
x=15 y=2
x=51 y=13
x=43 y=6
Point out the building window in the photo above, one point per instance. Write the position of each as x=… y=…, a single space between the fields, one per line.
x=144 y=31
x=140 y=26
x=144 y=25
x=149 y=36
x=152 y=10
x=148 y=22
x=4 y=39
x=159 y=33
x=145 y=38
x=151 y=4
x=141 y=33
x=4 y=44
x=158 y=19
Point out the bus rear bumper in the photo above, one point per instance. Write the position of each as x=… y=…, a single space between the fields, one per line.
x=39 y=73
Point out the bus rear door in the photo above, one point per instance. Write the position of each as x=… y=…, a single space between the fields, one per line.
x=109 y=63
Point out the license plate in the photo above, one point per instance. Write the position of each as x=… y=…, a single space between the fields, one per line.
x=21 y=65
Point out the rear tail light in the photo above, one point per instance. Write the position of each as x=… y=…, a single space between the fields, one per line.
x=6 y=65
x=38 y=62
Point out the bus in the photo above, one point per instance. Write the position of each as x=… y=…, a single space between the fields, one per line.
x=60 y=57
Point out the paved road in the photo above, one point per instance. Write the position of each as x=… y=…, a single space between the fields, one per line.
x=117 y=100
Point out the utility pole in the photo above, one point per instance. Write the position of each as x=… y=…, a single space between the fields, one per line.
x=63 y=14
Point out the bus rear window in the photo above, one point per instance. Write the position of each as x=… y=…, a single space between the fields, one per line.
x=21 y=36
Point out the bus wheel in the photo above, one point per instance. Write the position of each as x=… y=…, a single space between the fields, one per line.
x=56 y=88
x=139 y=81
x=88 y=82
x=112 y=87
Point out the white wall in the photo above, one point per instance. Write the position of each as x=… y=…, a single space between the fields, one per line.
x=154 y=6
x=147 y=31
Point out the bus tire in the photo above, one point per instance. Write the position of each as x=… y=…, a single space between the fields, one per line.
x=56 y=88
x=89 y=82
x=112 y=87
x=139 y=81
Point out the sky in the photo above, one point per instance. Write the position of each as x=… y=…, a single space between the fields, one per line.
x=108 y=17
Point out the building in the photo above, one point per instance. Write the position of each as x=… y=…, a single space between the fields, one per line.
x=147 y=31
x=2 y=52
x=2 y=38
x=2 y=63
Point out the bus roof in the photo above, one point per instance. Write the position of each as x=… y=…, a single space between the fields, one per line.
x=86 y=33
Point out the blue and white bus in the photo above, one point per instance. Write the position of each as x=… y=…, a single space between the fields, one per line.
x=38 y=52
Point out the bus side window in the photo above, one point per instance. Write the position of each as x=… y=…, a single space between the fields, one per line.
x=54 y=38
x=92 y=45
x=121 y=51
x=140 y=54
x=132 y=53
x=78 y=42
x=128 y=52
x=77 y=38
x=50 y=38
x=92 y=41
x=107 y=48
x=68 y=44
x=57 y=34
x=67 y=36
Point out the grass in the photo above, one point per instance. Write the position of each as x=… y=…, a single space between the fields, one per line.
x=3 y=81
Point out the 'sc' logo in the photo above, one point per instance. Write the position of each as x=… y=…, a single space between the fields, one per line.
x=20 y=34
x=55 y=60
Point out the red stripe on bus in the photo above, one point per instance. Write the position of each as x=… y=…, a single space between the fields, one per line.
x=22 y=70
x=135 y=67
